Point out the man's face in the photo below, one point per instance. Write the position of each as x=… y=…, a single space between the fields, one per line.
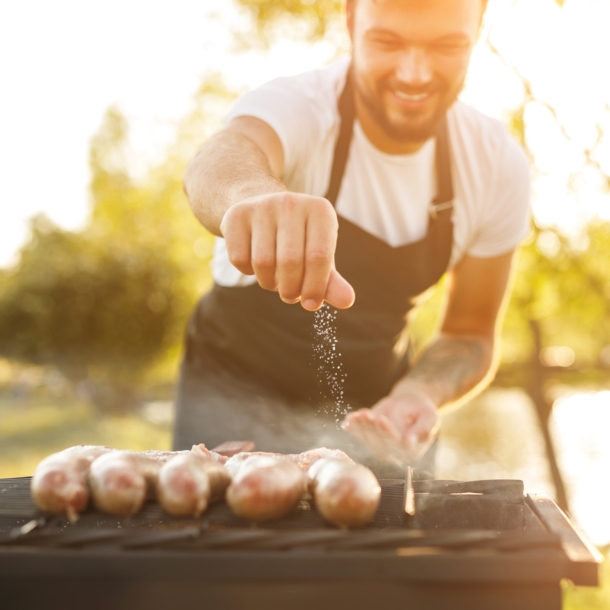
x=410 y=59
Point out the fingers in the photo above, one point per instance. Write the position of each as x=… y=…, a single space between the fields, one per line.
x=420 y=435
x=395 y=430
x=288 y=241
x=361 y=429
x=263 y=261
x=236 y=230
x=321 y=238
x=290 y=250
x=376 y=433
x=339 y=292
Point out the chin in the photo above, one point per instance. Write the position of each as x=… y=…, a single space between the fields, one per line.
x=414 y=130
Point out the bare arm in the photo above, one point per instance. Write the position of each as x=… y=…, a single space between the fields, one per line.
x=456 y=364
x=287 y=240
x=461 y=359
x=243 y=160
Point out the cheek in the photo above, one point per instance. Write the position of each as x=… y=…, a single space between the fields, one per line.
x=373 y=65
x=452 y=70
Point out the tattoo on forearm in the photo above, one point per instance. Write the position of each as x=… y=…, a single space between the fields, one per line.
x=456 y=365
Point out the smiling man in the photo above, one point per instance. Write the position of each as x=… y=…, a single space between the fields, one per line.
x=360 y=185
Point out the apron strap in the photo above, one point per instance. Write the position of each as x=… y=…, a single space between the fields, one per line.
x=347 y=114
x=442 y=205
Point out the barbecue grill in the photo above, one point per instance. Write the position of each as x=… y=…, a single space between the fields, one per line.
x=478 y=544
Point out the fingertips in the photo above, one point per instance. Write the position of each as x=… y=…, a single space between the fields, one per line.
x=321 y=239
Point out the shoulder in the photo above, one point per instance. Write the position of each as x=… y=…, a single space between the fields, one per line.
x=313 y=93
x=483 y=140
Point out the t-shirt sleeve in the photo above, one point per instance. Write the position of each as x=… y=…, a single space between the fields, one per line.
x=290 y=108
x=507 y=218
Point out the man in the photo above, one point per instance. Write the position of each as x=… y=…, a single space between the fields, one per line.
x=358 y=185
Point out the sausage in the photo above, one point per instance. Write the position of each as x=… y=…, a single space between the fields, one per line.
x=345 y=493
x=265 y=487
x=307 y=459
x=59 y=484
x=121 y=481
x=219 y=478
x=188 y=482
x=303 y=460
x=234 y=463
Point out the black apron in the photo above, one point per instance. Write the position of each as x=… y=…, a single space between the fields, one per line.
x=252 y=334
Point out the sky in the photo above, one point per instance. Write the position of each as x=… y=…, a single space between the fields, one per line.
x=63 y=63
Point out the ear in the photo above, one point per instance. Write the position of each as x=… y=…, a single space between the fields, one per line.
x=350 y=8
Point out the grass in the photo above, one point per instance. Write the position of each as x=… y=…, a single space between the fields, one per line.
x=32 y=429
x=589 y=598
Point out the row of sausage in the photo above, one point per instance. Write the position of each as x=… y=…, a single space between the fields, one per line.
x=257 y=486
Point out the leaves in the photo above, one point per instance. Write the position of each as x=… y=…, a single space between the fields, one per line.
x=107 y=303
x=317 y=15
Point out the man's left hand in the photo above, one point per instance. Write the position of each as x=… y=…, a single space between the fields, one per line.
x=399 y=428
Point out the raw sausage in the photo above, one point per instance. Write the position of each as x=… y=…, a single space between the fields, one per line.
x=345 y=493
x=121 y=481
x=59 y=484
x=265 y=487
x=303 y=460
x=188 y=482
x=307 y=459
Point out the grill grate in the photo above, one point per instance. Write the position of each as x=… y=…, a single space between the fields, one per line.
x=494 y=505
x=465 y=513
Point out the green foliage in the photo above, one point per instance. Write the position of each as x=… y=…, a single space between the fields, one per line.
x=318 y=15
x=564 y=286
x=92 y=305
x=105 y=304
x=589 y=598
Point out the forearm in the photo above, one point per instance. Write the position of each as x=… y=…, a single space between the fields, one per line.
x=450 y=368
x=229 y=168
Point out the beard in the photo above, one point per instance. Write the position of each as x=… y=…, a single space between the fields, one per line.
x=402 y=124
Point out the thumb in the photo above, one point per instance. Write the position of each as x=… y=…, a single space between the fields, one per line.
x=339 y=292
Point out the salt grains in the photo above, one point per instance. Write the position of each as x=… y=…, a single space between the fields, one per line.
x=331 y=379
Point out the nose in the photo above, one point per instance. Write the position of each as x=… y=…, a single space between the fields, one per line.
x=414 y=68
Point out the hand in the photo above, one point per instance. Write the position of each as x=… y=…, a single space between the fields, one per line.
x=399 y=428
x=288 y=240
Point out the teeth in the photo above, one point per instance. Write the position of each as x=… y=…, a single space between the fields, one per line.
x=411 y=98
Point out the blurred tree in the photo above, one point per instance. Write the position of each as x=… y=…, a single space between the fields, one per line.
x=105 y=304
x=93 y=306
x=318 y=15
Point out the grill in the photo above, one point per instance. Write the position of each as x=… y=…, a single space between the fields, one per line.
x=477 y=544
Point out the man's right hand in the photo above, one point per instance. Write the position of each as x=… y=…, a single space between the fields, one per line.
x=287 y=240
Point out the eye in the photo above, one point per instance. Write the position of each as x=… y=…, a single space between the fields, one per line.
x=385 y=43
x=450 y=48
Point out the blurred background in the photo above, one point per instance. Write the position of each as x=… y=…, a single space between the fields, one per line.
x=103 y=106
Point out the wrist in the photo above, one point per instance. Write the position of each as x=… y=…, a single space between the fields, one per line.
x=411 y=388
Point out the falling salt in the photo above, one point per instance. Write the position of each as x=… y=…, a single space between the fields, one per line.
x=331 y=378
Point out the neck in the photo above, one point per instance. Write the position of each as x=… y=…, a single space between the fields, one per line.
x=379 y=138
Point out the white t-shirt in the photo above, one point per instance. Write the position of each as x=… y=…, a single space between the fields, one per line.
x=388 y=195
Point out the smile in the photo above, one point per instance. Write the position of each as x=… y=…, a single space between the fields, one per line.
x=411 y=98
